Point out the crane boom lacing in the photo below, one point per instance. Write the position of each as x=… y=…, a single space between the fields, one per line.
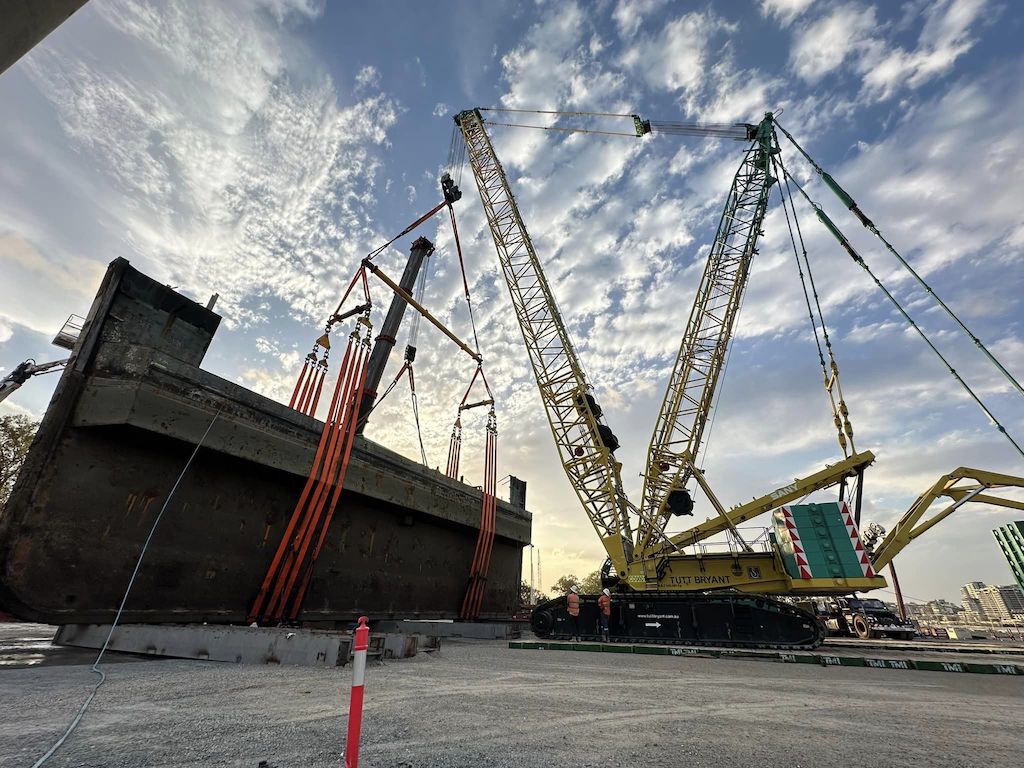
x=702 y=351
x=584 y=447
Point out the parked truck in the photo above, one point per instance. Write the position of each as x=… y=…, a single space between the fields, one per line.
x=866 y=618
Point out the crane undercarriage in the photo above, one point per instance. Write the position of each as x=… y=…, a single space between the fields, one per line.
x=716 y=619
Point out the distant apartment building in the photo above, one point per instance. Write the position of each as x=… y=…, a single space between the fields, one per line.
x=990 y=603
x=970 y=599
x=1011 y=541
x=935 y=611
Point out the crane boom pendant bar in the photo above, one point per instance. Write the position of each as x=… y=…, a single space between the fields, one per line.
x=585 y=446
x=859 y=260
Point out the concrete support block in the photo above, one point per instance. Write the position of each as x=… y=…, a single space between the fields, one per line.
x=490 y=630
x=240 y=645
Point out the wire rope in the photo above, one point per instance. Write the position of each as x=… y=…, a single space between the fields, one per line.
x=849 y=202
x=465 y=281
x=416 y=417
x=560 y=129
x=555 y=112
x=906 y=316
x=840 y=412
x=120 y=610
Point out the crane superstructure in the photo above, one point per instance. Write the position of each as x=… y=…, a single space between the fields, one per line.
x=718 y=597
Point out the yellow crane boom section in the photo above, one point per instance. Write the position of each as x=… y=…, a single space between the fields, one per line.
x=959 y=488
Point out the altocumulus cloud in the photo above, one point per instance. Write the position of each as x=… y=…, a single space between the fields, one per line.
x=226 y=160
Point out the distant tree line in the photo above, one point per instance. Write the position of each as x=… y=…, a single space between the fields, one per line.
x=16 y=433
x=588 y=585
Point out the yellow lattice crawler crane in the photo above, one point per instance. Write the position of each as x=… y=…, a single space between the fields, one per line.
x=675 y=588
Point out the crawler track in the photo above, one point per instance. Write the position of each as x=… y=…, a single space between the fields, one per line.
x=715 y=620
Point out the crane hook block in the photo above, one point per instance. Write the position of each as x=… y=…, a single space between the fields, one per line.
x=680 y=502
x=451 y=192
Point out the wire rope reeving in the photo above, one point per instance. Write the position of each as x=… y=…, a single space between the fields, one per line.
x=851 y=204
x=827 y=222
x=418 y=290
x=416 y=417
x=465 y=282
x=124 y=599
x=388 y=391
x=456 y=156
x=450 y=162
x=839 y=411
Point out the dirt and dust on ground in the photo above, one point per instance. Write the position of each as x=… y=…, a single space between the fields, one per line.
x=478 y=703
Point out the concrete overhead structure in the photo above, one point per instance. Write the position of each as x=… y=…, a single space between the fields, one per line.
x=24 y=23
x=128 y=411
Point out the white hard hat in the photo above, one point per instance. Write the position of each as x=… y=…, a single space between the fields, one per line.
x=574 y=588
x=608 y=593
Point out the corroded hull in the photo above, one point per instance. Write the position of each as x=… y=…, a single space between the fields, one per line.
x=128 y=411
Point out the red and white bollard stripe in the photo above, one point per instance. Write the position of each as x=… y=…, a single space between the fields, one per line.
x=355 y=704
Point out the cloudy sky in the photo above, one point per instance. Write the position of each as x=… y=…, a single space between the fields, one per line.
x=259 y=149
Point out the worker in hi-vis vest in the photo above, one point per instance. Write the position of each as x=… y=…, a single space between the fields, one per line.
x=572 y=606
x=604 y=602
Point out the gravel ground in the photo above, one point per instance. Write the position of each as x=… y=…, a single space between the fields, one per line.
x=481 y=704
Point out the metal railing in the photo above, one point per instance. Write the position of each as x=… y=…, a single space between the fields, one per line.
x=68 y=334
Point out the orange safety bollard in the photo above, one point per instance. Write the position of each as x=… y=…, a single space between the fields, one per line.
x=355 y=704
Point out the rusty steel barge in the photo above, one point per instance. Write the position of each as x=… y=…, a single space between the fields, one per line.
x=130 y=407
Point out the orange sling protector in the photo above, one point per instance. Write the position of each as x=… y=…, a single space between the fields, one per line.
x=474 y=597
x=287 y=579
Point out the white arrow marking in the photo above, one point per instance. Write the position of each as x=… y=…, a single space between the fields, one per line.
x=655 y=624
